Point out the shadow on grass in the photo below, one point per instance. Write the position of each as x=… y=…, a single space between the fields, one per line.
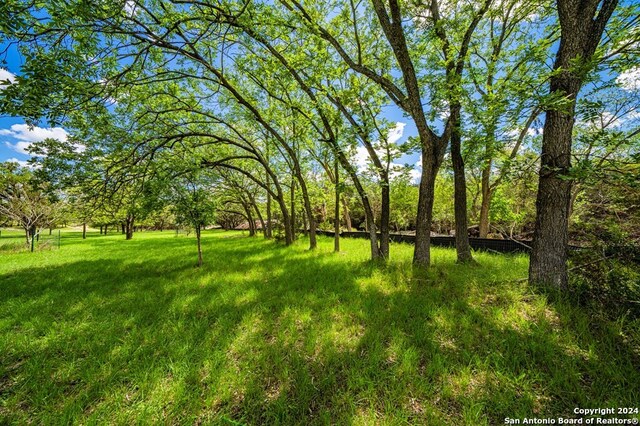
x=265 y=334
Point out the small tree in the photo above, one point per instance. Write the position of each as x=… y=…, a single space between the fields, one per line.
x=23 y=201
x=194 y=205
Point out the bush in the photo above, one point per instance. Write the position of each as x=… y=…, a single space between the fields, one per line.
x=607 y=278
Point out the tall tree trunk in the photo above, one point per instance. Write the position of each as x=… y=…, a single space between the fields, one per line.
x=101 y=227
x=307 y=205
x=32 y=232
x=286 y=219
x=336 y=216
x=269 y=217
x=345 y=213
x=463 y=248
x=250 y=220
x=84 y=230
x=262 y=224
x=426 y=195
x=384 y=218
x=129 y=226
x=485 y=202
x=366 y=205
x=293 y=208
x=198 y=234
x=581 y=26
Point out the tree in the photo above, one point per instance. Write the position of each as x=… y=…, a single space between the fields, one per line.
x=24 y=201
x=193 y=203
x=582 y=23
x=506 y=72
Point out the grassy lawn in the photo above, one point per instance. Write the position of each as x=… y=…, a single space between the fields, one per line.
x=121 y=332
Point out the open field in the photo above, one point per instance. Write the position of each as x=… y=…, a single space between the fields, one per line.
x=112 y=331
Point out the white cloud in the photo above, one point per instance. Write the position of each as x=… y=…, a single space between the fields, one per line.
x=26 y=136
x=6 y=75
x=21 y=163
x=35 y=134
x=361 y=158
x=20 y=147
x=629 y=80
x=416 y=171
x=416 y=175
x=395 y=134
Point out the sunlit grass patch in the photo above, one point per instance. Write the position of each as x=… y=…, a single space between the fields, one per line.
x=112 y=331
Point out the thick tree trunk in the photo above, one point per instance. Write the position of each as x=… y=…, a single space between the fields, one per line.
x=84 y=230
x=336 y=215
x=463 y=248
x=198 y=235
x=581 y=26
x=549 y=254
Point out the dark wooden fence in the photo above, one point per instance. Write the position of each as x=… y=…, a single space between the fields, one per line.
x=502 y=246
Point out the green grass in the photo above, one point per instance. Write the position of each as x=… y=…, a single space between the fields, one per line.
x=121 y=332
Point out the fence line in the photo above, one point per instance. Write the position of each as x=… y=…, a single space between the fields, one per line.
x=502 y=246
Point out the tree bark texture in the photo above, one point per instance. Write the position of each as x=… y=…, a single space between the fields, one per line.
x=581 y=25
x=463 y=248
x=336 y=216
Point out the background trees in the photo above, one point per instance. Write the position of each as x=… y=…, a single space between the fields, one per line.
x=293 y=107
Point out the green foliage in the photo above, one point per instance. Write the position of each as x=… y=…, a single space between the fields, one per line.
x=193 y=203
